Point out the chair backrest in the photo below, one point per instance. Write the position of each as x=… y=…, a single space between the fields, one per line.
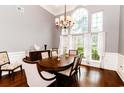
x=33 y=77
x=45 y=55
x=81 y=56
x=72 y=52
x=54 y=54
x=75 y=65
x=4 y=57
x=55 y=49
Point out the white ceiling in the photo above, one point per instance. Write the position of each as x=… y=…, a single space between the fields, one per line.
x=58 y=9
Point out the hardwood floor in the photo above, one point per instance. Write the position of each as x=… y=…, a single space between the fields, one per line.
x=95 y=77
x=89 y=77
x=19 y=80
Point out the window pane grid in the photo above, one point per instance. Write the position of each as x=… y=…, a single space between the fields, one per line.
x=80 y=18
x=97 y=22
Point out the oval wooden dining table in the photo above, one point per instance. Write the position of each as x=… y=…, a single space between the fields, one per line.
x=53 y=64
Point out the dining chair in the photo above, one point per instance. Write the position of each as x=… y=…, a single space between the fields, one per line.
x=70 y=72
x=54 y=54
x=79 y=64
x=5 y=64
x=55 y=49
x=72 y=52
x=36 y=77
x=45 y=54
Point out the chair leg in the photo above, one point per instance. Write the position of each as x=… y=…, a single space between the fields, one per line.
x=79 y=72
x=12 y=74
x=21 y=69
x=9 y=74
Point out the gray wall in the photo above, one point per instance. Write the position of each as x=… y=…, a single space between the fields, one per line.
x=121 y=34
x=20 y=31
x=111 y=25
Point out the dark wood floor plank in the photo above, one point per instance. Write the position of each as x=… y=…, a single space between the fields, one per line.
x=19 y=80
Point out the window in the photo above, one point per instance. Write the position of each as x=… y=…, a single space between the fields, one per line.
x=88 y=43
x=77 y=42
x=80 y=17
x=94 y=47
x=96 y=26
x=97 y=22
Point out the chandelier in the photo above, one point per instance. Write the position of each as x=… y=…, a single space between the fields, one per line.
x=64 y=22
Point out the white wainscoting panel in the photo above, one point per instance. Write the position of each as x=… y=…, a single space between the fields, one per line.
x=16 y=56
x=110 y=62
x=120 y=69
x=90 y=63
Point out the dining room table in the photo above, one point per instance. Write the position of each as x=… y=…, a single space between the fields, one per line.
x=56 y=64
x=53 y=64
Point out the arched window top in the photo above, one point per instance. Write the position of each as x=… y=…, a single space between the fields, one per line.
x=79 y=13
x=80 y=17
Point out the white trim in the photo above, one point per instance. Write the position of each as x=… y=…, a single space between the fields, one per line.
x=16 y=53
x=120 y=74
x=120 y=66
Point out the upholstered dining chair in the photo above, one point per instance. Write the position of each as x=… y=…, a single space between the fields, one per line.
x=35 y=77
x=73 y=69
x=54 y=54
x=45 y=54
x=79 y=64
x=72 y=52
x=5 y=64
x=55 y=49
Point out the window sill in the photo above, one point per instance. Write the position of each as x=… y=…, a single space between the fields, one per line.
x=95 y=61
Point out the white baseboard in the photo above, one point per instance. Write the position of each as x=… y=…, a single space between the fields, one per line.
x=121 y=75
x=120 y=66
